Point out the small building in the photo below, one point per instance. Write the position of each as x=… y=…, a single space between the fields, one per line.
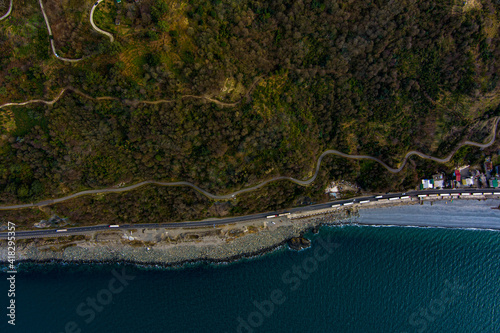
x=458 y=176
x=464 y=171
x=488 y=166
x=426 y=184
x=333 y=190
x=474 y=173
x=467 y=182
x=439 y=180
x=484 y=181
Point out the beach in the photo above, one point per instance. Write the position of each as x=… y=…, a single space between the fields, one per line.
x=442 y=213
x=174 y=247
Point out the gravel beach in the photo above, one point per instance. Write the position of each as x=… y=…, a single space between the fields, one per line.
x=175 y=247
x=170 y=247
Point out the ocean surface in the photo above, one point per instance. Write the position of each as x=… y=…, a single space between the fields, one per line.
x=353 y=279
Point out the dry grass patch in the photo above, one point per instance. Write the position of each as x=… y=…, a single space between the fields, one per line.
x=472 y=4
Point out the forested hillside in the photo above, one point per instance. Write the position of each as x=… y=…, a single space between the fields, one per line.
x=294 y=78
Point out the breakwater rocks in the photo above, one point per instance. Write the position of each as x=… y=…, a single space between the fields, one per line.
x=173 y=247
x=299 y=243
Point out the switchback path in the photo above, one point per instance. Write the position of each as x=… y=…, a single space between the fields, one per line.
x=296 y=181
x=8 y=12
x=413 y=152
x=52 y=46
x=96 y=28
x=52 y=37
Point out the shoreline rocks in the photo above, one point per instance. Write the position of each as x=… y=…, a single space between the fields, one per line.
x=166 y=253
x=299 y=243
x=176 y=247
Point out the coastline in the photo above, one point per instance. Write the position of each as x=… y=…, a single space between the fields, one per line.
x=467 y=214
x=183 y=250
x=222 y=245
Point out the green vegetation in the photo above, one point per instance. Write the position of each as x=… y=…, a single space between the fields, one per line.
x=377 y=78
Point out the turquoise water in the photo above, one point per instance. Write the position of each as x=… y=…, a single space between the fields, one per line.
x=356 y=279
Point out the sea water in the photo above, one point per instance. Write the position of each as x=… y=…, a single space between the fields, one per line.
x=352 y=279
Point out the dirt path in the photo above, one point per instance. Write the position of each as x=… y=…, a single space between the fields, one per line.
x=253 y=188
x=51 y=37
x=96 y=28
x=52 y=45
x=134 y=101
x=8 y=12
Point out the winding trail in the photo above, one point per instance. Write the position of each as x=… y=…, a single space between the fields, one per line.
x=51 y=37
x=8 y=12
x=132 y=101
x=412 y=152
x=231 y=195
x=52 y=45
x=222 y=104
x=35 y=101
x=96 y=28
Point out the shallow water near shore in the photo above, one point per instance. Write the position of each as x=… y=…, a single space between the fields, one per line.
x=353 y=279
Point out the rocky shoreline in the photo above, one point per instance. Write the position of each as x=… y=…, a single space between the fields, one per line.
x=177 y=247
x=224 y=245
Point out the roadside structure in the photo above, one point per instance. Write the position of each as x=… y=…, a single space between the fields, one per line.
x=427 y=183
x=488 y=166
x=439 y=180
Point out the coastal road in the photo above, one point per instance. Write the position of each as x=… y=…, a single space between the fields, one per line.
x=340 y=204
x=96 y=28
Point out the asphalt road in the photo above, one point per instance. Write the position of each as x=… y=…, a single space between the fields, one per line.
x=214 y=221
